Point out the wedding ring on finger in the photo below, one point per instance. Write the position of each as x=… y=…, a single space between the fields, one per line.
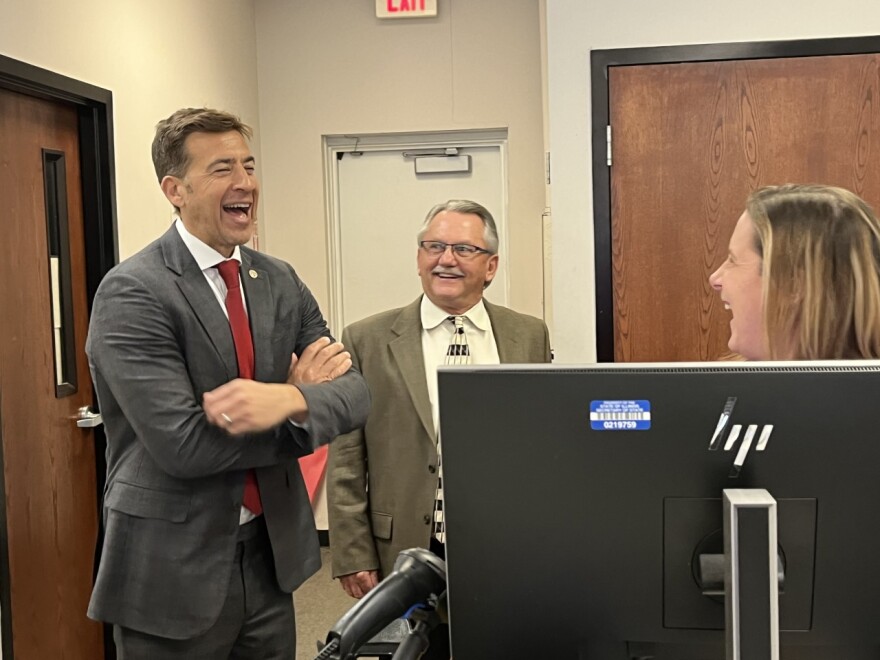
x=226 y=418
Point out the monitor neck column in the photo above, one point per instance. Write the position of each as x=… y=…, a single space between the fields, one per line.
x=751 y=575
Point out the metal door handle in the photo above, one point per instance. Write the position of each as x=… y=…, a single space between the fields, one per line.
x=86 y=419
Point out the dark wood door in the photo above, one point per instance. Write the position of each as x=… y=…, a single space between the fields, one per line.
x=48 y=461
x=689 y=142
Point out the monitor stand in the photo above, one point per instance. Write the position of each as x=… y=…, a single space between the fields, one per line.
x=751 y=575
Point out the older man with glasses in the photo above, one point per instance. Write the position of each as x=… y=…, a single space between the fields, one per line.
x=384 y=483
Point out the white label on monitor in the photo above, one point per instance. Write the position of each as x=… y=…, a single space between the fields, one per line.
x=620 y=415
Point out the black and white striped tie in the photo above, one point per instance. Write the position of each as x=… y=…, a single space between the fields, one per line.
x=457 y=353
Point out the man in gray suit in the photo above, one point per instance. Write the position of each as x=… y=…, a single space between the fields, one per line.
x=382 y=482
x=214 y=372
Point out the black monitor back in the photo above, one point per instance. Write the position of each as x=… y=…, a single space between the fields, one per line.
x=570 y=538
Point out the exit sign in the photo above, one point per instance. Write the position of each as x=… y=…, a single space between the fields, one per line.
x=405 y=8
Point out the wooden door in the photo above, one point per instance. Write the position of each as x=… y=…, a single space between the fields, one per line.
x=48 y=461
x=689 y=142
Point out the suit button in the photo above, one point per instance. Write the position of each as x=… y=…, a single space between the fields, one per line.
x=427 y=520
x=432 y=469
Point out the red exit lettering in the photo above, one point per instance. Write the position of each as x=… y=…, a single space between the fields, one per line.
x=406 y=5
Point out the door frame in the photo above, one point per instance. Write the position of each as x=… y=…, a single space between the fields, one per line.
x=601 y=62
x=334 y=146
x=94 y=107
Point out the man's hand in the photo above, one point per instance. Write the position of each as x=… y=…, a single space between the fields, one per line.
x=320 y=362
x=358 y=584
x=248 y=406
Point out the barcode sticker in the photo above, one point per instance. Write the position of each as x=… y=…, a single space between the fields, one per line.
x=620 y=415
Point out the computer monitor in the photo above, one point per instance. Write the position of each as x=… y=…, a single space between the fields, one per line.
x=579 y=500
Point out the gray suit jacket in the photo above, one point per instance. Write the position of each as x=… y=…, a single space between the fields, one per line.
x=159 y=340
x=381 y=479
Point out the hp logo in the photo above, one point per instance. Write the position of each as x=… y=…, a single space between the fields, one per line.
x=748 y=440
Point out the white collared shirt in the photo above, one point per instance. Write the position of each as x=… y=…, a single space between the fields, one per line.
x=207 y=258
x=436 y=335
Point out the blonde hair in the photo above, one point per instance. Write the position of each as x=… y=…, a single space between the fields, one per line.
x=820 y=247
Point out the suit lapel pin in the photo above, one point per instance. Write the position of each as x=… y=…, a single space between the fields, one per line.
x=253 y=274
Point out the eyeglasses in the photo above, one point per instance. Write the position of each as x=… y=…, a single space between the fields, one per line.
x=460 y=250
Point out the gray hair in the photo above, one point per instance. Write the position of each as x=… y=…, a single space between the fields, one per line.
x=490 y=231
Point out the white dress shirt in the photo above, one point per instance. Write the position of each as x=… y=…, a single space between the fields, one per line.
x=436 y=335
x=208 y=258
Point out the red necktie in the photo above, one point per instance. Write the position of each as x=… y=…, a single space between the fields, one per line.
x=244 y=352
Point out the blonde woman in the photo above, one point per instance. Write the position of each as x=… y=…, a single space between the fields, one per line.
x=802 y=276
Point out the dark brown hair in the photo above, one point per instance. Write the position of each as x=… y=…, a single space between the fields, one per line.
x=169 y=153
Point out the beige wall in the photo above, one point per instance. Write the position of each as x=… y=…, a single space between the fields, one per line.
x=332 y=67
x=329 y=67
x=155 y=56
x=325 y=67
x=574 y=27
